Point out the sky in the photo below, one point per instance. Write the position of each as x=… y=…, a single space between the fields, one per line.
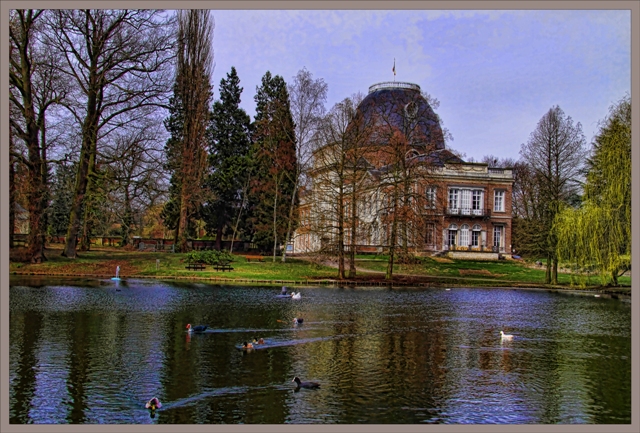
x=495 y=73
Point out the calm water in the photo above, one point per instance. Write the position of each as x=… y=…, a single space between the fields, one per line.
x=96 y=352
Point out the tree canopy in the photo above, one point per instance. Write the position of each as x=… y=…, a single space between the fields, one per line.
x=597 y=235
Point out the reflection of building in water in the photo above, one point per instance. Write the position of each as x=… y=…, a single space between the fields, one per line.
x=391 y=161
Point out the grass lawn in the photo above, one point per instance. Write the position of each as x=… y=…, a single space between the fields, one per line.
x=103 y=262
x=497 y=271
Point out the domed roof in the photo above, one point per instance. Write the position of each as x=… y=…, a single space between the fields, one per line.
x=398 y=106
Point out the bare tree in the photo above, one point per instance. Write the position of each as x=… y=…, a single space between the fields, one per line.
x=556 y=153
x=411 y=145
x=34 y=87
x=342 y=181
x=119 y=62
x=134 y=170
x=330 y=180
x=307 y=97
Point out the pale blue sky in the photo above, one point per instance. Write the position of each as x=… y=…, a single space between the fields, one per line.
x=495 y=73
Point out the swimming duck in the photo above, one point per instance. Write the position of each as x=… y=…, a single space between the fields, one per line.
x=246 y=345
x=295 y=295
x=197 y=329
x=309 y=385
x=153 y=404
x=505 y=336
x=298 y=320
x=260 y=341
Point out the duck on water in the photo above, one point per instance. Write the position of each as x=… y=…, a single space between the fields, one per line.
x=197 y=329
x=308 y=385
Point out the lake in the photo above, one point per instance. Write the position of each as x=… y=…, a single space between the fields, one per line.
x=84 y=351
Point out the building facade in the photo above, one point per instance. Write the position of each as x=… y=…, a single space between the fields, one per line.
x=389 y=179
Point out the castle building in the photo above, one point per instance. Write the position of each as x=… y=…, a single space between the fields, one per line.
x=387 y=178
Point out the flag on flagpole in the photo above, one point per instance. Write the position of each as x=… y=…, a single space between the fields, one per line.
x=394 y=67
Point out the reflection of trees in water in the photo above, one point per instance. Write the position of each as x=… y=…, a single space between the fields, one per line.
x=25 y=338
x=385 y=355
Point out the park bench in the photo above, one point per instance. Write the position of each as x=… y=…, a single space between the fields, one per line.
x=223 y=265
x=195 y=266
x=256 y=258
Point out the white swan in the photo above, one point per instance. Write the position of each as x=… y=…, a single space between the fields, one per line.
x=506 y=336
x=295 y=295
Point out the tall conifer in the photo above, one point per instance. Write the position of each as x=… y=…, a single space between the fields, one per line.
x=229 y=146
x=275 y=163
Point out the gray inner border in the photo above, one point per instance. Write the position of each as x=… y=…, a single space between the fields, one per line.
x=6 y=5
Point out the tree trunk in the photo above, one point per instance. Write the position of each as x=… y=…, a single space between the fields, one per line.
x=85 y=239
x=393 y=237
x=219 y=236
x=235 y=228
x=89 y=141
x=275 y=232
x=547 y=274
x=182 y=223
x=45 y=180
x=340 y=243
x=352 y=253
x=12 y=193
x=36 y=210
x=291 y=207
x=127 y=220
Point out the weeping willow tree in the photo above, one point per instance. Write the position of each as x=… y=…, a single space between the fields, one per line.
x=596 y=237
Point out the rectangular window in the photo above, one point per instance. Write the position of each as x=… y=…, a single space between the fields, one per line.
x=465 y=201
x=498 y=201
x=453 y=200
x=476 y=202
x=430 y=196
x=430 y=238
x=497 y=237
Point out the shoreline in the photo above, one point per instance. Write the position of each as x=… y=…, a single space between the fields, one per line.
x=402 y=281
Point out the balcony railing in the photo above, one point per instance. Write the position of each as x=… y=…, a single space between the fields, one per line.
x=468 y=212
x=393 y=85
x=474 y=248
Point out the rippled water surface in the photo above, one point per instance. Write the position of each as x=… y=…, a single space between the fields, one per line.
x=97 y=351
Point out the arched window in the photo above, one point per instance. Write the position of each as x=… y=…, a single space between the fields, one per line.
x=464 y=235
x=475 y=235
x=453 y=235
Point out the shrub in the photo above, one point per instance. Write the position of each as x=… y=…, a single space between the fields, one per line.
x=209 y=257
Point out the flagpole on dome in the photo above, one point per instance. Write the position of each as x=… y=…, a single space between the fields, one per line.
x=394 y=69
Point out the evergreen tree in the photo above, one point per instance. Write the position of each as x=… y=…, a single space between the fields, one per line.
x=61 y=198
x=229 y=146
x=275 y=163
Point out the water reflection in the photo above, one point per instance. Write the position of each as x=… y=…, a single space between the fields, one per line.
x=91 y=354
